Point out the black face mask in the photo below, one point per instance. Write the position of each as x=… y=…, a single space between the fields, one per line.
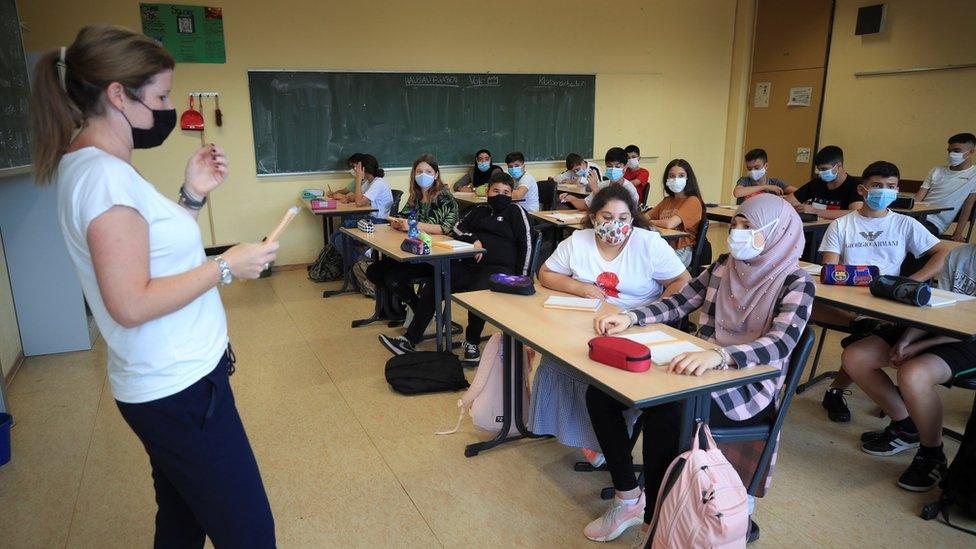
x=499 y=202
x=163 y=123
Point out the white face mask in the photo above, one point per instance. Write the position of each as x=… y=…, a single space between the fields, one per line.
x=677 y=184
x=756 y=175
x=742 y=242
x=956 y=158
x=633 y=163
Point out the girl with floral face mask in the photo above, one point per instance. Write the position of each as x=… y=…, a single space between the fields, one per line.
x=618 y=260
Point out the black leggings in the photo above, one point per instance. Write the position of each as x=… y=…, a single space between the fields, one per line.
x=465 y=276
x=662 y=429
x=396 y=276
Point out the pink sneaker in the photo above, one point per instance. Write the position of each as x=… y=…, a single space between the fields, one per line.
x=616 y=520
x=595 y=459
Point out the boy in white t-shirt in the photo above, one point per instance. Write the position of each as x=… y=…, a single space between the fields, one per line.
x=579 y=172
x=952 y=185
x=873 y=235
x=616 y=161
x=526 y=188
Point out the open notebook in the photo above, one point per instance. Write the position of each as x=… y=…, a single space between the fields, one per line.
x=943 y=298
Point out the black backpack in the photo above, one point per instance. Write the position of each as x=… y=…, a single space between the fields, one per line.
x=959 y=485
x=425 y=372
x=327 y=266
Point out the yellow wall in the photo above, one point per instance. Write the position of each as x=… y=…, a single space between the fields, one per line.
x=903 y=118
x=667 y=61
x=10 y=347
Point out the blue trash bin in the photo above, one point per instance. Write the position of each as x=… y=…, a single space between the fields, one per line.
x=5 y=421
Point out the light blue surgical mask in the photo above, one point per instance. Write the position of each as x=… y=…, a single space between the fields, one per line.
x=879 y=199
x=582 y=172
x=516 y=171
x=483 y=166
x=614 y=173
x=425 y=180
x=828 y=175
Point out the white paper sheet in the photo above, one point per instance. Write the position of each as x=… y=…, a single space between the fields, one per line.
x=942 y=298
x=662 y=354
x=648 y=338
x=564 y=302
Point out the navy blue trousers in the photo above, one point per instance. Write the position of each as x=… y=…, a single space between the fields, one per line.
x=206 y=478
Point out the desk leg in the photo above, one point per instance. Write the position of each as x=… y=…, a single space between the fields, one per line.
x=696 y=409
x=438 y=303
x=447 y=326
x=511 y=354
x=347 y=278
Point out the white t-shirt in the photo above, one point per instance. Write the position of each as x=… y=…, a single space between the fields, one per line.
x=530 y=202
x=630 y=280
x=166 y=355
x=948 y=188
x=570 y=176
x=380 y=197
x=880 y=241
x=623 y=183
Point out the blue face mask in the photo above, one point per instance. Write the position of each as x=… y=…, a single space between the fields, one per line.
x=879 y=199
x=425 y=180
x=828 y=175
x=614 y=173
x=483 y=166
x=516 y=171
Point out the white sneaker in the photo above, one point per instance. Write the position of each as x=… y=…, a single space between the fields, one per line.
x=616 y=520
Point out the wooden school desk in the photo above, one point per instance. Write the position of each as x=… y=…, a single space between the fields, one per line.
x=812 y=230
x=921 y=209
x=387 y=240
x=957 y=320
x=342 y=211
x=470 y=199
x=562 y=336
x=574 y=189
x=570 y=225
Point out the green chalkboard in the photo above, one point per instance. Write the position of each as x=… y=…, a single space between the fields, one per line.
x=14 y=91
x=307 y=122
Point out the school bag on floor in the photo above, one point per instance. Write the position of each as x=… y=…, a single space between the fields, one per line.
x=366 y=287
x=484 y=399
x=959 y=485
x=327 y=266
x=702 y=502
x=425 y=372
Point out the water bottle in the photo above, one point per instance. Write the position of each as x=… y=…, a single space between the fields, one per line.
x=412 y=230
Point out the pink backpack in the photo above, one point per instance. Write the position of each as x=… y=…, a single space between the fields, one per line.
x=483 y=400
x=702 y=502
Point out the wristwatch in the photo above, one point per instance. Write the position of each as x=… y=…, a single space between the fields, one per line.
x=224 y=269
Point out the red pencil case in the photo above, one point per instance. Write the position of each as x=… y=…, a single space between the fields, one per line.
x=849 y=275
x=621 y=353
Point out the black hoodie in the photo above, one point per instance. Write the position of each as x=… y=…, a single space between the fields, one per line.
x=507 y=236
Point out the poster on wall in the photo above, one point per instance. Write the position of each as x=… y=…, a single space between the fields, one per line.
x=191 y=34
x=800 y=97
x=761 y=99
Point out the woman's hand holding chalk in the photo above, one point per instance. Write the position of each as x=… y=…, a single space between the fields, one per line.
x=289 y=215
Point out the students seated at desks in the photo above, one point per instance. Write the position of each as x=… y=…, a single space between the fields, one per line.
x=634 y=173
x=579 y=172
x=952 y=185
x=616 y=160
x=526 y=188
x=758 y=181
x=833 y=192
x=353 y=159
x=923 y=361
x=369 y=189
x=873 y=235
x=754 y=303
x=617 y=259
x=478 y=174
x=500 y=227
x=682 y=207
x=436 y=212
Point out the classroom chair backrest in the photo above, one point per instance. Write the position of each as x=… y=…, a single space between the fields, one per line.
x=770 y=433
x=909 y=185
x=534 y=263
x=548 y=195
x=643 y=194
x=698 y=256
x=397 y=195
x=971 y=221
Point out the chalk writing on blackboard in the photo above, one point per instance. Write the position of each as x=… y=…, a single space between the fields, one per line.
x=561 y=82
x=433 y=81
x=484 y=80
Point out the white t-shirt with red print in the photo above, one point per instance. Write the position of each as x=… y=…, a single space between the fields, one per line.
x=631 y=279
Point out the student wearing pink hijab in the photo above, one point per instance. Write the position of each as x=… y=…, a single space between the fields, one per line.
x=754 y=303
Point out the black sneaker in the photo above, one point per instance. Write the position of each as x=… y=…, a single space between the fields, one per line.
x=923 y=474
x=472 y=355
x=836 y=405
x=871 y=435
x=397 y=345
x=892 y=441
x=753 y=531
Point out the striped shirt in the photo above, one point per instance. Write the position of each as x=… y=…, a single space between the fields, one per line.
x=790 y=316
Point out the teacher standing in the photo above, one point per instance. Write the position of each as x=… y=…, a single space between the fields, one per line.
x=151 y=289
